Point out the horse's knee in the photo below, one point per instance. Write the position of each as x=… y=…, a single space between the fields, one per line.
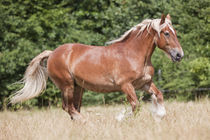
x=159 y=98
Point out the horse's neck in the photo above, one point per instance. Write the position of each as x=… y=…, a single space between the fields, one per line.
x=143 y=45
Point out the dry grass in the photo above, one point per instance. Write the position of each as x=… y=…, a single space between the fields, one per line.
x=183 y=121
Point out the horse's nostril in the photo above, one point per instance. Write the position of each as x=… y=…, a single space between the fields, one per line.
x=178 y=55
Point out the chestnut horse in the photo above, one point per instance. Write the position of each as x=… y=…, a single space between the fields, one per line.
x=124 y=65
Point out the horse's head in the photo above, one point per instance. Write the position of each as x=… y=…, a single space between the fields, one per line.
x=167 y=39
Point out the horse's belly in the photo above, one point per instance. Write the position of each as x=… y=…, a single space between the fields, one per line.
x=97 y=86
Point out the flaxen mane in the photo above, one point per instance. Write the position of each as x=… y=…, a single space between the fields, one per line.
x=145 y=24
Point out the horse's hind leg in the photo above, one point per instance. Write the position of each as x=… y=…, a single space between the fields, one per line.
x=78 y=93
x=66 y=83
x=68 y=102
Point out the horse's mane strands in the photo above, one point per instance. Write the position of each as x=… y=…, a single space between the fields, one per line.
x=145 y=24
x=127 y=33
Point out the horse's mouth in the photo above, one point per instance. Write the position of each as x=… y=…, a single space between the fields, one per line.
x=170 y=56
x=175 y=58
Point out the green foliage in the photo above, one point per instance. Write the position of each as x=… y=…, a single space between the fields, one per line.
x=200 y=71
x=28 y=27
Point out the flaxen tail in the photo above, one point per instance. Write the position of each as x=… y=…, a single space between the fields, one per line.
x=34 y=80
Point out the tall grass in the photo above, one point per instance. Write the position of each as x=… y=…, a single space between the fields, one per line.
x=187 y=121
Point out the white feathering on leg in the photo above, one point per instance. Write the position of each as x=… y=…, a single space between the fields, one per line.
x=157 y=109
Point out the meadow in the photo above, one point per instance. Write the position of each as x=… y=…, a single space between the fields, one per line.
x=184 y=120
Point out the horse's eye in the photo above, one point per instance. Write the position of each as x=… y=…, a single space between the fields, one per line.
x=167 y=34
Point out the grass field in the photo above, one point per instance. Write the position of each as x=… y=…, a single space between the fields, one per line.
x=187 y=121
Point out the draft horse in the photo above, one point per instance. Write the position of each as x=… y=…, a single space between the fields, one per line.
x=124 y=65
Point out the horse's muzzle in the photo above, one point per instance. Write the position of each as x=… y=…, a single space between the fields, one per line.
x=176 y=56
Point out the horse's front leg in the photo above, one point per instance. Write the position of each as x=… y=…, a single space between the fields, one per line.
x=158 y=109
x=129 y=90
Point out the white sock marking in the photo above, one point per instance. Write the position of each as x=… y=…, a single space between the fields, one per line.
x=157 y=109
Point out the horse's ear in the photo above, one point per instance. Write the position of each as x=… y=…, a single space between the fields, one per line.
x=162 y=19
x=168 y=17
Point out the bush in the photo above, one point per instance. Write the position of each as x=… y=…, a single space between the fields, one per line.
x=29 y=27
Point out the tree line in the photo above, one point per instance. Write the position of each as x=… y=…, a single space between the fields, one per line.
x=28 y=27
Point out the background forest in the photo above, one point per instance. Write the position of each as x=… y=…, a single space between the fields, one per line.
x=28 y=27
